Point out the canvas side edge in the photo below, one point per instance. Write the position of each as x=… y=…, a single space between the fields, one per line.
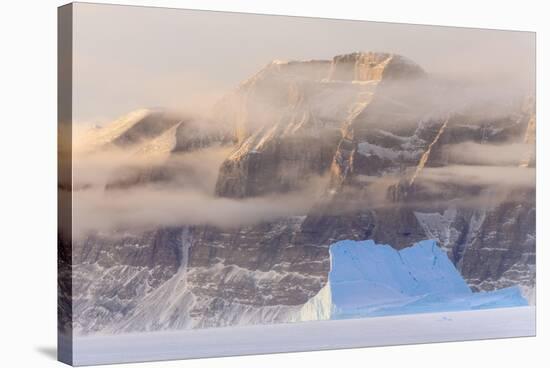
x=64 y=183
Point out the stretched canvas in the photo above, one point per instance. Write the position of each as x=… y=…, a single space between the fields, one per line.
x=238 y=184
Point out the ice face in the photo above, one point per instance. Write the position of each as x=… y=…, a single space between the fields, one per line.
x=369 y=279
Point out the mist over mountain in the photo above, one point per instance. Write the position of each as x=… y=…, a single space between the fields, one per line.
x=193 y=219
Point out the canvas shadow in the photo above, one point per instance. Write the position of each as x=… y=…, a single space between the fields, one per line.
x=48 y=351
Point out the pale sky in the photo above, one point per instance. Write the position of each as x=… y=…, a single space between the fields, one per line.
x=133 y=57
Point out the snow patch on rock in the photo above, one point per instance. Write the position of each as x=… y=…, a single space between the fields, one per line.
x=439 y=226
x=317 y=308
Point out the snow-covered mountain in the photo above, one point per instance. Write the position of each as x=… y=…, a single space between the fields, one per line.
x=142 y=146
x=132 y=129
x=381 y=137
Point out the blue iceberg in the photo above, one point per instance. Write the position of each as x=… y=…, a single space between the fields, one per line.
x=368 y=279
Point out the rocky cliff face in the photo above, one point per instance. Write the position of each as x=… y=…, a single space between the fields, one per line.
x=488 y=241
x=377 y=129
x=291 y=116
x=372 y=66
